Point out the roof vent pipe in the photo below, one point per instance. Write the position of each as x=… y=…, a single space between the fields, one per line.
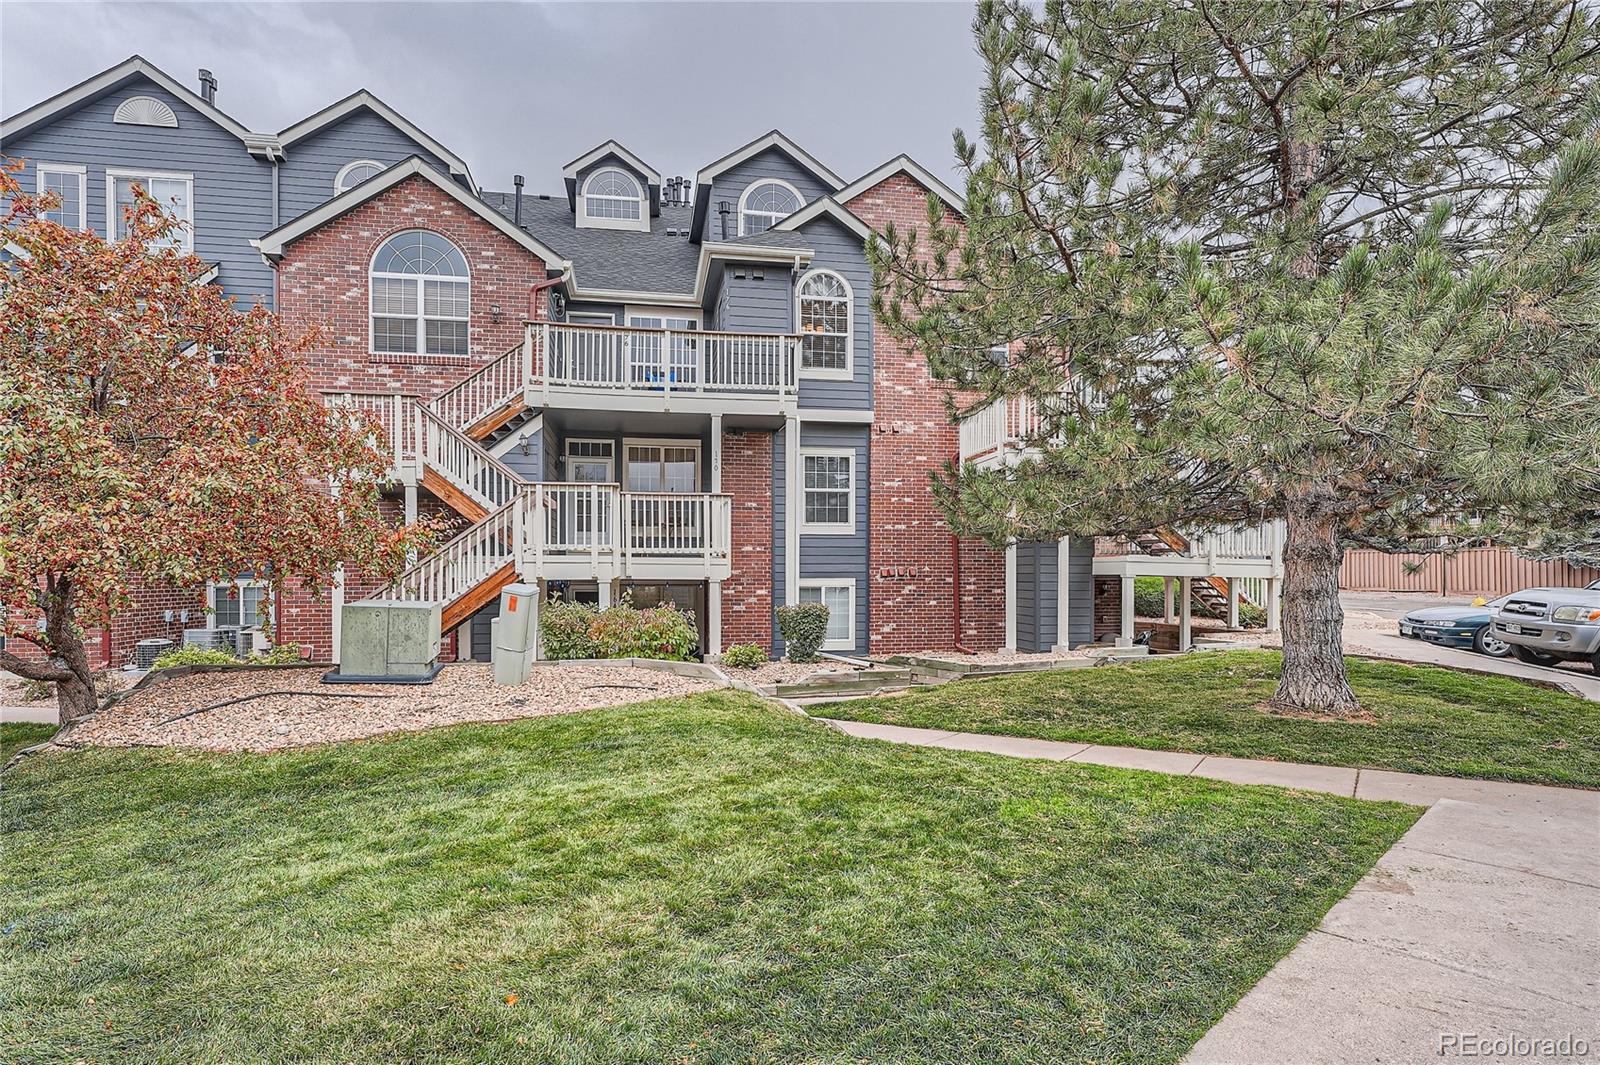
x=208 y=86
x=724 y=208
x=516 y=212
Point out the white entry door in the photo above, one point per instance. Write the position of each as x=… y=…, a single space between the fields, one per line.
x=588 y=462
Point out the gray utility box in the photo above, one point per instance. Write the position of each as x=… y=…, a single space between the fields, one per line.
x=383 y=639
x=515 y=633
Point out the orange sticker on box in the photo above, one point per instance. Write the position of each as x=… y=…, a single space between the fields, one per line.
x=511 y=604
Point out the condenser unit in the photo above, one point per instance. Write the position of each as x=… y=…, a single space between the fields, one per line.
x=222 y=639
x=145 y=652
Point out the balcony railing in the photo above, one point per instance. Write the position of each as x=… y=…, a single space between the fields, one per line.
x=666 y=362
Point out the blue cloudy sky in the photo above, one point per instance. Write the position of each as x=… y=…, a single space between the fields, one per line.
x=525 y=87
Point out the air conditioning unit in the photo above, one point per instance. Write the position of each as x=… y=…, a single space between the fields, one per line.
x=223 y=639
x=145 y=652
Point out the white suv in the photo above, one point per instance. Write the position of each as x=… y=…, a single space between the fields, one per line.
x=1548 y=625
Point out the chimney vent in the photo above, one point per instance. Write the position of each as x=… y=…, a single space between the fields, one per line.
x=724 y=208
x=208 y=86
x=516 y=212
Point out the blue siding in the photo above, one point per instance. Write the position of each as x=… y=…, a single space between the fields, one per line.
x=305 y=178
x=232 y=189
x=753 y=304
x=529 y=467
x=731 y=183
x=823 y=557
x=841 y=251
x=1038 y=574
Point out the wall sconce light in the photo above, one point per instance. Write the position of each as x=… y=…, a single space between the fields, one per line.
x=494 y=312
x=525 y=445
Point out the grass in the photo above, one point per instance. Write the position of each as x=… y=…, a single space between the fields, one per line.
x=1427 y=720
x=15 y=735
x=703 y=880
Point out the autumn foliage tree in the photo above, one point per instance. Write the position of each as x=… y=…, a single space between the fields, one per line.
x=151 y=432
x=1329 y=263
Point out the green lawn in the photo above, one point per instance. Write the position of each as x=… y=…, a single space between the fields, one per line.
x=705 y=880
x=1428 y=720
x=15 y=735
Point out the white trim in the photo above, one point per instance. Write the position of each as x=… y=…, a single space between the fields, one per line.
x=145 y=110
x=590 y=221
x=567 y=458
x=644 y=310
x=113 y=173
x=774 y=139
x=421 y=317
x=829 y=206
x=334 y=112
x=611 y=147
x=903 y=164
x=83 y=186
x=239 y=584
x=112 y=78
x=846 y=528
x=338 y=179
x=791 y=493
x=822 y=584
x=825 y=415
x=663 y=442
x=828 y=373
x=744 y=197
x=591 y=318
x=1011 y=595
x=272 y=244
x=1063 y=595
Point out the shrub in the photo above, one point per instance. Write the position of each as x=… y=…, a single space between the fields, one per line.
x=804 y=627
x=564 y=628
x=745 y=656
x=1149 y=599
x=196 y=656
x=576 y=630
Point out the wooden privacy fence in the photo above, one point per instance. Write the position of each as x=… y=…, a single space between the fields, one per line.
x=1486 y=571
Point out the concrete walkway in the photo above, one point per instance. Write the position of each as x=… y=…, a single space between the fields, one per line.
x=1482 y=923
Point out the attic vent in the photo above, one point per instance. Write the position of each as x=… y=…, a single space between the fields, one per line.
x=145 y=111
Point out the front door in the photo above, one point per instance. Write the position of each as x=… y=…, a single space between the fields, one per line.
x=588 y=462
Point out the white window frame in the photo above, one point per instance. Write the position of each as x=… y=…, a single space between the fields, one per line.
x=610 y=458
x=662 y=442
x=822 y=584
x=186 y=233
x=338 y=180
x=587 y=220
x=83 y=186
x=848 y=373
x=422 y=321
x=744 y=198
x=847 y=528
x=239 y=584
x=591 y=318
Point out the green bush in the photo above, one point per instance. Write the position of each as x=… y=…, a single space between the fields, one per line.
x=1149 y=601
x=576 y=630
x=745 y=656
x=287 y=654
x=804 y=627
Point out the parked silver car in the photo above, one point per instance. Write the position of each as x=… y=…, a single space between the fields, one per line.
x=1549 y=625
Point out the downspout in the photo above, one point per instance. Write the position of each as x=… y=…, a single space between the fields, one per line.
x=533 y=295
x=955 y=572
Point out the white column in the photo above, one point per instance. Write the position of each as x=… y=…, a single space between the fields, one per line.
x=411 y=515
x=1126 y=637
x=1274 y=608
x=713 y=618
x=1011 y=596
x=791 y=510
x=535 y=606
x=1185 y=609
x=1063 y=595
x=1166 y=591
x=605 y=593
x=1233 y=602
x=337 y=597
x=716 y=452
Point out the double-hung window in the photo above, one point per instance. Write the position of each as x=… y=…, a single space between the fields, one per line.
x=822 y=310
x=174 y=193
x=421 y=293
x=839 y=596
x=827 y=491
x=67 y=182
x=240 y=603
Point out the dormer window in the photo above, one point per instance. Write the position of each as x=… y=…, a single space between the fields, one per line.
x=764 y=204
x=613 y=199
x=352 y=174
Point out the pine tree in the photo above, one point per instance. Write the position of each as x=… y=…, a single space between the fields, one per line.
x=1333 y=263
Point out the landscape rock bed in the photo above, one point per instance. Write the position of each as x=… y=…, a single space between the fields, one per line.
x=461 y=693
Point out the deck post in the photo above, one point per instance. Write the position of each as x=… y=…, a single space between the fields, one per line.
x=603 y=593
x=716 y=454
x=1185 y=612
x=713 y=618
x=1126 y=637
x=338 y=608
x=1063 y=596
x=791 y=510
x=1011 y=596
x=411 y=519
x=1166 y=591
x=1233 y=602
x=1274 y=608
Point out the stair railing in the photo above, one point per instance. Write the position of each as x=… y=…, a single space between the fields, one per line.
x=484 y=391
x=464 y=462
x=463 y=563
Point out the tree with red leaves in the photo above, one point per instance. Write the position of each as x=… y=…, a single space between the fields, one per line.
x=153 y=432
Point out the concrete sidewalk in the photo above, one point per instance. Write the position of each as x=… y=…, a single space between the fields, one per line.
x=1480 y=924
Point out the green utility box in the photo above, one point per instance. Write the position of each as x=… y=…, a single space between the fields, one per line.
x=387 y=642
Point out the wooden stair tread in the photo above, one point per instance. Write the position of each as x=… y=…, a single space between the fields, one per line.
x=479 y=596
x=453 y=497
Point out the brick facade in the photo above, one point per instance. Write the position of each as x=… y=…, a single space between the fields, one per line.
x=912 y=554
x=747 y=595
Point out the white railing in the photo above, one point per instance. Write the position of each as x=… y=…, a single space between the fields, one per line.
x=463 y=462
x=395 y=415
x=614 y=358
x=464 y=563
x=485 y=390
x=1239 y=541
x=1011 y=422
x=571 y=520
x=670 y=523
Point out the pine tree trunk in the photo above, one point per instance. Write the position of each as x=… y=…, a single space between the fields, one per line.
x=1314 y=677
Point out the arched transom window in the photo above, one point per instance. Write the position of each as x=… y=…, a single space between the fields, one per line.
x=613 y=194
x=421 y=296
x=764 y=204
x=352 y=174
x=823 y=314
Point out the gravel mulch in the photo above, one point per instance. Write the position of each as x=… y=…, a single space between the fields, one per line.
x=14 y=691
x=786 y=672
x=460 y=693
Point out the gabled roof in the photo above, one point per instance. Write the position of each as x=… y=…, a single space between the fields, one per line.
x=774 y=139
x=272 y=244
x=828 y=206
x=358 y=100
x=903 y=164
x=611 y=147
x=112 y=78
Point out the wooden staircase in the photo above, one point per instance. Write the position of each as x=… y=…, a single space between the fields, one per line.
x=1210 y=592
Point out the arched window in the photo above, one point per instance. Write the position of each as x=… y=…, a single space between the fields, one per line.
x=612 y=195
x=764 y=204
x=823 y=314
x=421 y=296
x=353 y=174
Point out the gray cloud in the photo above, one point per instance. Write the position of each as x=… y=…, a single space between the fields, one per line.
x=522 y=88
